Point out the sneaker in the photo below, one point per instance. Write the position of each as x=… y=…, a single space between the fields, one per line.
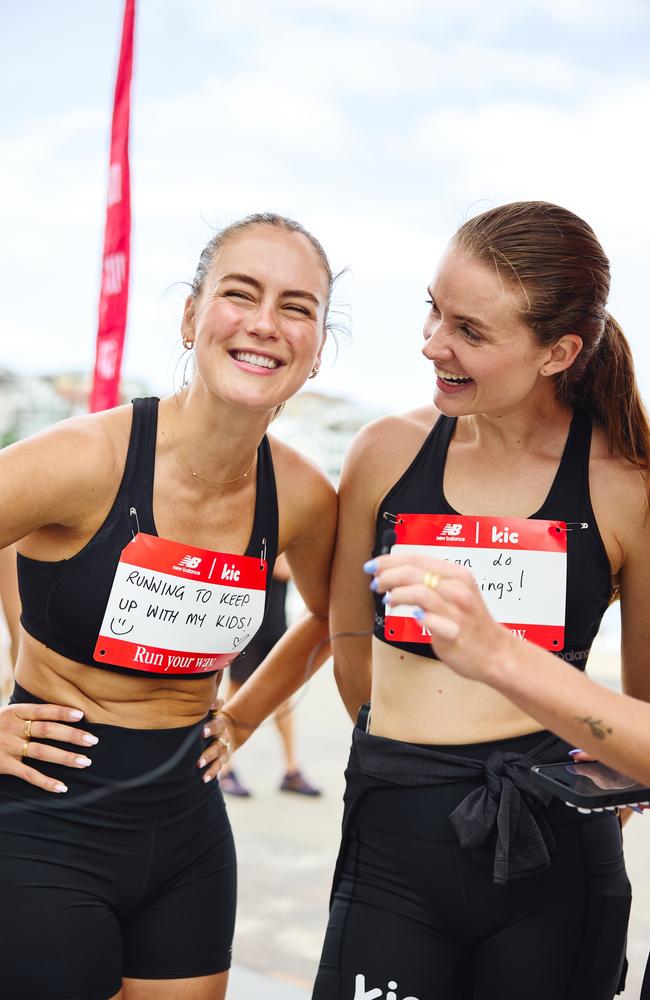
x=293 y=781
x=231 y=785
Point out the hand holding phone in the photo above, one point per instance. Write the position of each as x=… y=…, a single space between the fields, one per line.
x=590 y=785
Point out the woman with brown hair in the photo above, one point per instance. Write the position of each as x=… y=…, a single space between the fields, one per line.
x=456 y=877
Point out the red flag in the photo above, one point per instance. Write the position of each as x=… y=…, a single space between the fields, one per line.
x=114 y=293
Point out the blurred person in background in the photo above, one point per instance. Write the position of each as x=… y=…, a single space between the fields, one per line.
x=273 y=628
x=10 y=610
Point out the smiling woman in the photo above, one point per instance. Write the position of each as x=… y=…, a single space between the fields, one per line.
x=147 y=552
x=456 y=878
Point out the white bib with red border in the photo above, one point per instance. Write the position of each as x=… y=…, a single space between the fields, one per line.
x=519 y=564
x=177 y=609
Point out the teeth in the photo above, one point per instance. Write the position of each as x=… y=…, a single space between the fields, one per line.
x=450 y=377
x=256 y=359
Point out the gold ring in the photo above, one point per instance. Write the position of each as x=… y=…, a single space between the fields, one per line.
x=224 y=743
x=214 y=712
x=27 y=730
x=25 y=753
x=431 y=580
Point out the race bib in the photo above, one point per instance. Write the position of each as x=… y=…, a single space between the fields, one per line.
x=519 y=565
x=180 y=610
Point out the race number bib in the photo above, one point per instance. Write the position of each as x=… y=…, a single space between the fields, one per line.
x=519 y=565
x=180 y=610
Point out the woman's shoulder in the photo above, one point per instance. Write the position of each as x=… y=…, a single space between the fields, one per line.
x=393 y=438
x=619 y=489
x=84 y=443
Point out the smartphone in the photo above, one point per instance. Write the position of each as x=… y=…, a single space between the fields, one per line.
x=590 y=785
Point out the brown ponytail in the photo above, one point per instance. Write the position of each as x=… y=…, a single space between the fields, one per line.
x=555 y=260
x=606 y=386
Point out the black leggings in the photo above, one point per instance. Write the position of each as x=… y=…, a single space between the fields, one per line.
x=137 y=883
x=415 y=918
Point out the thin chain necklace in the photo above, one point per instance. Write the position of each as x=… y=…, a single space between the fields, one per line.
x=197 y=475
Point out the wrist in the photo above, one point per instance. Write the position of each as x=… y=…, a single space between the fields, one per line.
x=501 y=659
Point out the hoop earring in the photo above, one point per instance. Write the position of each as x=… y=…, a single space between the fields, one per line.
x=314 y=372
x=188 y=344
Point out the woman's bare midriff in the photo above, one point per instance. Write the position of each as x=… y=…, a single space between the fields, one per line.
x=107 y=697
x=419 y=700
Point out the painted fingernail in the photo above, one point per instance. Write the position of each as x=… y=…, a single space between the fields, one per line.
x=202 y=762
x=75 y=714
x=60 y=787
x=206 y=731
x=418 y=614
x=386 y=598
x=83 y=761
x=577 y=750
x=206 y=778
x=89 y=739
x=374 y=584
x=370 y=566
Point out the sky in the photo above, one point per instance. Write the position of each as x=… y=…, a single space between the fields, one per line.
x=379 y=124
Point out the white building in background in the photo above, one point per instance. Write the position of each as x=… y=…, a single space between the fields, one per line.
x=28 y=403
x=322 y=428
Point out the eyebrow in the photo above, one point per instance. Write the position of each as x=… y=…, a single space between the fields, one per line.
x=292 y=293
x=465 y=319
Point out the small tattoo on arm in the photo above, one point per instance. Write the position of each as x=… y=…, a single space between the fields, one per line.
x=598 y=728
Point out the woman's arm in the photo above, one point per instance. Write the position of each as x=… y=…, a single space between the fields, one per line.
x=613 y=727
x=308 y=527
x=352 y=609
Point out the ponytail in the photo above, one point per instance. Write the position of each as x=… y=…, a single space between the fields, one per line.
x=606 y=386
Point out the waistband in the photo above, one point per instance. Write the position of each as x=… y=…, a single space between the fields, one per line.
x=501 y=819
x=132 y=770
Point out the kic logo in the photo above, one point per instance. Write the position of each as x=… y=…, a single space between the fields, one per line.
x=230 y=573
x=505 y=536
x=452 y=529
x=192 y=562
x=361 y=993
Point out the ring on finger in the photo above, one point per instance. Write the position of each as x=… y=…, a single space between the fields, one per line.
x=431 y=580
x=25 y=754
x=224 y=743
x=27 y=730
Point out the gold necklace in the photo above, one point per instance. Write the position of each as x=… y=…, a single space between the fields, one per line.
x=197 y=475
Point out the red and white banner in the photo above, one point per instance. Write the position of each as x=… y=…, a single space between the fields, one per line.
x=114 y=292
x=519 y=565
x=178 y=609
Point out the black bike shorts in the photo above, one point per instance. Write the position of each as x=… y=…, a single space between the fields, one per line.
x=415 y=917
x=131 y=873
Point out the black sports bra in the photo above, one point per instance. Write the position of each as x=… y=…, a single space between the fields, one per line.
x=63 y=602
x=589 y=584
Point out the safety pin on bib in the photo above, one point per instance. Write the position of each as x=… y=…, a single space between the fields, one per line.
x=263 y=554
x=133 y=513
x=392 y=518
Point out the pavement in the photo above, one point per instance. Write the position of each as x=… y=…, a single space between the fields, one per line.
x=287 y=845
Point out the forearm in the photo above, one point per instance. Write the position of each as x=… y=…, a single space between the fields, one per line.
x=300 y=652
x=612 y=727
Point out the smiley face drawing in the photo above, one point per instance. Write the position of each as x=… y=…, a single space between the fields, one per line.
x=121 y=628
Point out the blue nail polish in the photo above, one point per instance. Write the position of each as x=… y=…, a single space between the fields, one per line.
x=636 y=809
x=577 y=750
x=418 y=614
x=370 y=566
x=374 y=584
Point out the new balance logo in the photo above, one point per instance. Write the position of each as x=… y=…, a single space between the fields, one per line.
x=452 y=529
x=361 y=993
x=192 y=562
